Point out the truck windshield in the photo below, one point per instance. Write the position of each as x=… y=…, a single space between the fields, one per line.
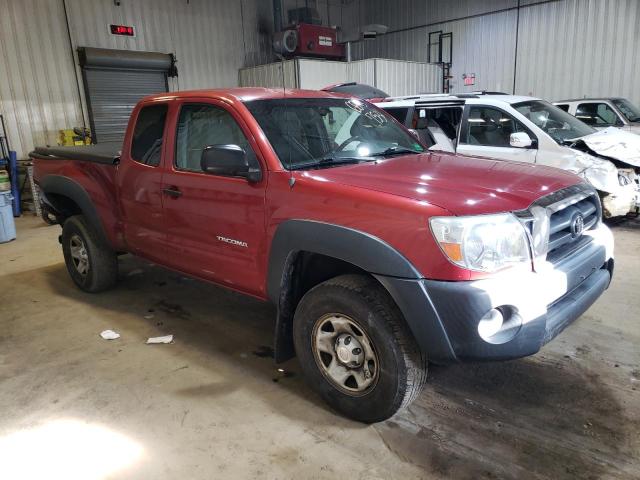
x=628 y=109
x=325 y=132
x=560 y=125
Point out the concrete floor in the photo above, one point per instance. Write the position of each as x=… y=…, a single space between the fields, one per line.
x=213 y=404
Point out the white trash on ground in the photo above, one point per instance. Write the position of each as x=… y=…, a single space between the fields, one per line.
x=164 y=339
x=109 y=335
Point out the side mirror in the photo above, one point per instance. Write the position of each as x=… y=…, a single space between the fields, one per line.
x=415 y=133
x=520 y=140
x=228 y=161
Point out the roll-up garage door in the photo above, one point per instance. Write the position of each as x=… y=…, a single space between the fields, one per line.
x=114 y=81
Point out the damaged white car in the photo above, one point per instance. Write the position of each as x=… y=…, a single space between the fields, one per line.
x=601 y=113
x=530 y=130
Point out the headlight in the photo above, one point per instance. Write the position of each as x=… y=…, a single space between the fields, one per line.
x=486 y=243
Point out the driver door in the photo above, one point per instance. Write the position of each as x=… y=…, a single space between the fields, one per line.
x=486 y=132
x=214 y=224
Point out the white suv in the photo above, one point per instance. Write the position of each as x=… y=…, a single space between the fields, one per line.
x=604 y=112
x=527 y=129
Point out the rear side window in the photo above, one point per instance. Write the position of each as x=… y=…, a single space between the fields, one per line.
x=563 y=106
x=596 y=114
x=146 y=145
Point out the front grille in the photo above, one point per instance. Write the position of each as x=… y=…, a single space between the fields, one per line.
x=553 y=224
x=562 y=223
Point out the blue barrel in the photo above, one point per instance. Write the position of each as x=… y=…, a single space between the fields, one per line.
x=7 y=224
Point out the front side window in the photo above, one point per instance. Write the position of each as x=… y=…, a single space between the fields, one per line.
x=491 y=127
x=324 y=132
x=146 y=145
x=200 y=126
x=628 y=109
x=596 y=114
x=559 y=125
x=563 y=106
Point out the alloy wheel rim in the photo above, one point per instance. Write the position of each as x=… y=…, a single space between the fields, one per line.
x=79 y=255
x=345 y=354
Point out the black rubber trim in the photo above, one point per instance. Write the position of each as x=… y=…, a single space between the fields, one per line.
x=423 y=320
x=65 y=186
x=460 y=306
x=105 y=153
x=574 y=304
x=361 y=249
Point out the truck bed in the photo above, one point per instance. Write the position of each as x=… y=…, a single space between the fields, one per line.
x=105 y=153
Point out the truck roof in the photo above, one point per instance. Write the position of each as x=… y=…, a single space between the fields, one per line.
x=245 y=94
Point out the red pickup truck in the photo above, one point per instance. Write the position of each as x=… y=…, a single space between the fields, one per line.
x=379 y=254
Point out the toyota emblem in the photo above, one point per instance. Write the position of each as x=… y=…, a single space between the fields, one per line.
x=577 y=226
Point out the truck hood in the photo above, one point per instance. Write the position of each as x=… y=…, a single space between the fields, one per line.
x=615 y=143
x=460 y=184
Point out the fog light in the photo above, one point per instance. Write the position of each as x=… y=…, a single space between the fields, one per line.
x=500 y=324
x=490 y=324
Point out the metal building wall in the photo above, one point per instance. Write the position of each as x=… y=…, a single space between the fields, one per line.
x=402 y=78
x=577 y=48
x=395 y=77
x=212 y=40
x=270 y=75
x=317 y=74
x=38 y=92
x=483 y=45
x=566 y=48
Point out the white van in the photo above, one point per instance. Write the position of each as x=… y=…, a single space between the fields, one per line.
x=527 y=129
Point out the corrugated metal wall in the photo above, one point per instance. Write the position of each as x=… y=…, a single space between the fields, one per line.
x=577 y=48
x=212 y=40
x=395 y=77
x=270 y=75
x=402 y=78
x=38 y=92
x=567 y=48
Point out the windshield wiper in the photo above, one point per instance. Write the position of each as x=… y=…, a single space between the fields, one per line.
x=330 y=161
x=394 y=151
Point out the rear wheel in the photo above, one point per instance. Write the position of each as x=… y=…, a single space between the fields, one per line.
x=356 y=350
x=91 y=263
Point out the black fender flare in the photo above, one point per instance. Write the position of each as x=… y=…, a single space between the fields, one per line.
x=358 y=248
x=361 y=249
x=65 y=186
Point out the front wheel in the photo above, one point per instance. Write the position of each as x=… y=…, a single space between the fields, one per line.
x=356 y=350
x=91 y=263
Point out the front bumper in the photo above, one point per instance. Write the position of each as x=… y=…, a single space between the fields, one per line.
x=444 y=316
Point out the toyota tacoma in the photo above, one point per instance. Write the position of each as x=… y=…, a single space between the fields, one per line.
x=379 y=254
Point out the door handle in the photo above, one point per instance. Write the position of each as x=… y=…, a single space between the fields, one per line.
x=172 y=191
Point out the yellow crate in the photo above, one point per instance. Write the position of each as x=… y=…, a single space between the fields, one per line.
x=69 y=137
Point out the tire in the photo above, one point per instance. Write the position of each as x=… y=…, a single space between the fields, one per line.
x=91 y=263
x=358 y=307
